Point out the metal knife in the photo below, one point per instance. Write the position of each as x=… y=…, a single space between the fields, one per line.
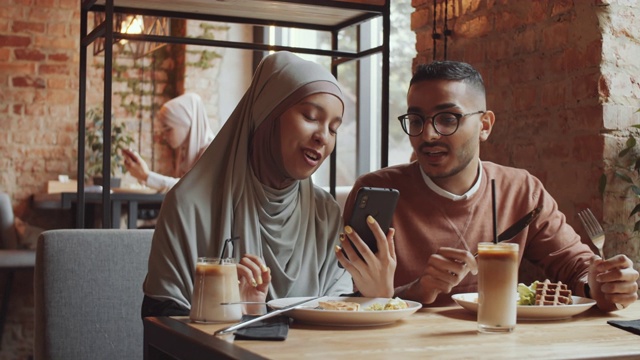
x=518 y=226
x=237 y=326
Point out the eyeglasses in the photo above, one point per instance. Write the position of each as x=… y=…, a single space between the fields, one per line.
x=445 y=123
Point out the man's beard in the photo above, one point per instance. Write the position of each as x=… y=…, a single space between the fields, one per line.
x=464 y=155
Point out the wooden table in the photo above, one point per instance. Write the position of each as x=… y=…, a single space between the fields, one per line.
x=442 y=333
x=132 y=200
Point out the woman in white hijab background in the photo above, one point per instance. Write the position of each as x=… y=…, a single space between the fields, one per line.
x=185 y=128
x=254 y=182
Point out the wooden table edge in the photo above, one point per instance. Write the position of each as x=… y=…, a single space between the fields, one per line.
x=181 y=341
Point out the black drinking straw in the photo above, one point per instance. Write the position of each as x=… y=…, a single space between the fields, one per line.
x=224 y=247
x=495 y=213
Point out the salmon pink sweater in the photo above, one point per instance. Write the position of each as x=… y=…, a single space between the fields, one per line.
x=425 y=221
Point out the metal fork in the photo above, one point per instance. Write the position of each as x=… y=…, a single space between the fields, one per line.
x=595 y=233
x=594 y=229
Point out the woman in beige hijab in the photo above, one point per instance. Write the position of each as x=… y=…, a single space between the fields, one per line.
x=254 y=182
x=185 y=128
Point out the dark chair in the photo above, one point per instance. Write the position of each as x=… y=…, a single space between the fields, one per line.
x=11 y=258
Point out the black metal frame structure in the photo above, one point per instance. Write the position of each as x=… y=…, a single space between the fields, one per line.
x=354 y=13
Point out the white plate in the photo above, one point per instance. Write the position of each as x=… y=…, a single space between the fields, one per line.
x=469 y=301
x=309 y=314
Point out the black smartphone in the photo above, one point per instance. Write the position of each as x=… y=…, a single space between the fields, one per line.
x=377 y=202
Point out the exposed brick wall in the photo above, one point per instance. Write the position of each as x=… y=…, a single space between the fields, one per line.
x=541 y=67
x=203 y=66
x=39 y=66
x=560 y=79
x=619 y=91
x=38 y=81
x=38 y=115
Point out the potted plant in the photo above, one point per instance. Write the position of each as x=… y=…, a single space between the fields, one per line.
x=627 y=169
x=120 y=139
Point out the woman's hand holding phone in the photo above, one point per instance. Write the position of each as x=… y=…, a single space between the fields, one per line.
x=372 y=273
x=137 y=167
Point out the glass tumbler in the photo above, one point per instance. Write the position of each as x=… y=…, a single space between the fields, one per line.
x=216 y=282
x=497 y=287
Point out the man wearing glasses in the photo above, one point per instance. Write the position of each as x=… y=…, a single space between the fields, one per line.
x=445 y=205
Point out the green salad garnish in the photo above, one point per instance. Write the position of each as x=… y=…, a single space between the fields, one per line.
x=527 y=293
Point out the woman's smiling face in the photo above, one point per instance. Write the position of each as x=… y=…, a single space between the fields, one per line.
x=308 y=133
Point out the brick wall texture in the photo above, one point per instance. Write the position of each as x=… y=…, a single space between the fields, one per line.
x=38 y=116
x=561 y=77
x=39 y=67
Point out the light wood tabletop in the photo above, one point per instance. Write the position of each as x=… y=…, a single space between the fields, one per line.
x=442 y=333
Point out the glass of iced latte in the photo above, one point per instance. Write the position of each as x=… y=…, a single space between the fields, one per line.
x=497 y=287
x=216 y=282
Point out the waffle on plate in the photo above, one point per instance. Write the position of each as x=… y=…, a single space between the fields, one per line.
x=552 y=294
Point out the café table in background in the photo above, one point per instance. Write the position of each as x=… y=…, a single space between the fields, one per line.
x=439 y=333
x=130 y=199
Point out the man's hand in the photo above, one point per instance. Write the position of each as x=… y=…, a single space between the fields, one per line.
x=613 y=281
x=445 y=269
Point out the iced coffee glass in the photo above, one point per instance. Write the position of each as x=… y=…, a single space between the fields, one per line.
x=216 y=282
x=497 y=287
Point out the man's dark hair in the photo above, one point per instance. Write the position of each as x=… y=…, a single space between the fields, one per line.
x=449 y=70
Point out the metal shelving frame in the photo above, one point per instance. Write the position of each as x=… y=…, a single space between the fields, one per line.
x=319 y=15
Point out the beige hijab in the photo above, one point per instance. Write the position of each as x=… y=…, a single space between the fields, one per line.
x=293 y=229
x=188 y=111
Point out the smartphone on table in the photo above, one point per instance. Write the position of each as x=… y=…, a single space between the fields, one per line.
x=377 y=202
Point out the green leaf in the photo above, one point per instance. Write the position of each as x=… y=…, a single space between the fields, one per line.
x=602 y=184
x=624 y=177
x=631 y=142
x=624 y=152
x=120 y=138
